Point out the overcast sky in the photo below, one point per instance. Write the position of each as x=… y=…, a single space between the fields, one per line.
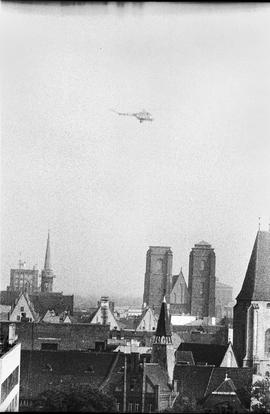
x=107 y=186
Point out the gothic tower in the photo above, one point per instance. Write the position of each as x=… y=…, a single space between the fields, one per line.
x=47 y=273
x=251 y=319
x=202 y=281
x=158 y=276
x=163 y=350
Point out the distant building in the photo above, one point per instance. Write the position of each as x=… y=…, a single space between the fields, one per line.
x=24 y=280
x=10 y=360
x=201 y=283
x=158 y=276
x=224 y=297
x=251 y=321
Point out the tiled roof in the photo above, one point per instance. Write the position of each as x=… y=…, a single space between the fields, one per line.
x=8 y=297
x=256 y=285
x=157 y=376
x=201 y=381
x=241 y=377
x=211 y=354
x=58 y=302
x=227 y=386
x=43 y=370
x=185 y=357
x=192 y=380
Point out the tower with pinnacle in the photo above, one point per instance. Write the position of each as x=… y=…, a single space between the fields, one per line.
x=251 y=319
x=47 y=274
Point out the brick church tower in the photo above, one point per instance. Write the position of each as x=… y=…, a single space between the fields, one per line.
x=47 y=273
x=202 y=281
x=158 y=276
x=251 y=318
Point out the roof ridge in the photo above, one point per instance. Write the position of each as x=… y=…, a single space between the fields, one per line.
x=210 y=377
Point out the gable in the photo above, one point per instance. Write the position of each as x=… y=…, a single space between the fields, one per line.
x=98 y=319
x=229 y=359
x=22 y=309
x=148 y=322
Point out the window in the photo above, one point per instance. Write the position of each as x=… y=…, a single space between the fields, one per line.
x=9 y=384
x=267 y=342
x=202 y=265
x=49 y=346
x=268 y=305
x=130 y=407
x=18 y=318
x=132 y=384
x=137 y=408
x=150 y=408
x=118 y=407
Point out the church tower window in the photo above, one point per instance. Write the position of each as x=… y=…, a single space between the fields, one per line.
x=267 y=342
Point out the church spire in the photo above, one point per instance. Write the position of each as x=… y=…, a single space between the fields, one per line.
x=256 y=285
x=47 y=273
x=163 y=333
x=47 y=263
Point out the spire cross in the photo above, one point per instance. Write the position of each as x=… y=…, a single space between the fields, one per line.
x=259 y=224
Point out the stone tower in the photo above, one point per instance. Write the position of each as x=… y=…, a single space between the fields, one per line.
x=162 y=349
x=47 y=273
x=158 y=276
x=251 y=319
x=201 y=282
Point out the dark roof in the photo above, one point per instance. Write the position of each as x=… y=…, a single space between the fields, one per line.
x=8 y=297
x=163 y=325
x=43 y=370
x=201 y=381
x=227 y=386
x=185 y=357
x=157 y=376
x=42 y=302
x=210 y=354
x=192 y=380
x=256 y=285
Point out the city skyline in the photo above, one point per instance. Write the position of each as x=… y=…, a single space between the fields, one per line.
x=109 y=187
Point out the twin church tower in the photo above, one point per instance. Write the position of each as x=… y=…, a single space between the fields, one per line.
x=198 y=298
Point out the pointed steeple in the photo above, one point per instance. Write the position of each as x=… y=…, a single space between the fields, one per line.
x=47 y=263
x=47 y=274
x=163 y=333
x=256 y=285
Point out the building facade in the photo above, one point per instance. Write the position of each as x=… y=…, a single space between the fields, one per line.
x=158 y=276
x=24 y=280
x=251 y=321
x=10 y=360
x=201 y=283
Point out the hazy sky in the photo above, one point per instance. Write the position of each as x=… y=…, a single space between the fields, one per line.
x=107 y=186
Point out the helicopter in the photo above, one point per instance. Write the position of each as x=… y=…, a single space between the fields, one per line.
x=141 y=116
